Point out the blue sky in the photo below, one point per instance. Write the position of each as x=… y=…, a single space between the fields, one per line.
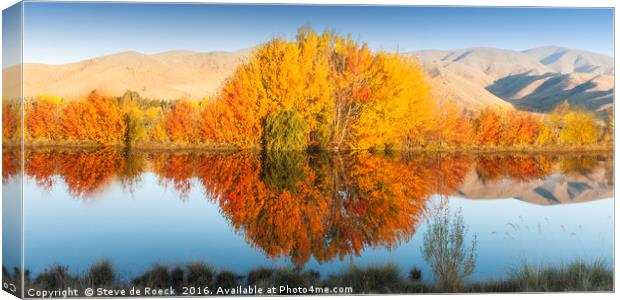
x=66 y=32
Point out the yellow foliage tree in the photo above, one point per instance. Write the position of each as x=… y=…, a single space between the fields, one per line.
x=348 y=96
x=395 y=105
x=579 y=127
x=546 y=135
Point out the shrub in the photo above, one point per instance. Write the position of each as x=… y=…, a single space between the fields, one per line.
x=285 y=130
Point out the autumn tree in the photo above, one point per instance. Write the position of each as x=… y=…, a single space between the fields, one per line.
x=155 y=125
x=520 y=128
x=271 y=80
x=561 y=109
x=10 y=120
x=130 y=104
x=547 y=135
x=488 y=128
x=555 y=118
x=608 y=135
x=135 y=126
x=129 y=99
x=452 y=126
x=348 y=96
x=71 y=121
x=580 y=128
x=102 y=120
x=395 y=106
x=181 y=122
x=42 y=117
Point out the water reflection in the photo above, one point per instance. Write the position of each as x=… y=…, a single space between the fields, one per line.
x=324 y=206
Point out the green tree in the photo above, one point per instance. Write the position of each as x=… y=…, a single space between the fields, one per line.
x=129 y=98
x=135 y=126
x=285 y=130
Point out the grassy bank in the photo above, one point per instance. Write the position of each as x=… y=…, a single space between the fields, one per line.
x=574 y=276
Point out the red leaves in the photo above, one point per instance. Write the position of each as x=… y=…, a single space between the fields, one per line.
x=180 y=122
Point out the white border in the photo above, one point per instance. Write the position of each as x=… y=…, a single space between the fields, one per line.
x=511 y=3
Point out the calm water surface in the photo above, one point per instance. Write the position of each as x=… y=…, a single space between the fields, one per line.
x=239 y=211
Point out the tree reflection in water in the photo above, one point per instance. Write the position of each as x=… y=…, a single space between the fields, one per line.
x=294 y=204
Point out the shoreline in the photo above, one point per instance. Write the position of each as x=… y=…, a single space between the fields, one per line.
x=229 y=148
x=576 y=275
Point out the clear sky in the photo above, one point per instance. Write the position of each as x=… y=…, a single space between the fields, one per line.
x=66 y=32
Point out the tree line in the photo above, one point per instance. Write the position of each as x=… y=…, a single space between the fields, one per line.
x=323 y=91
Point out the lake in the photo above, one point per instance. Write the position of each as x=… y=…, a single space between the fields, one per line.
x=242 y=210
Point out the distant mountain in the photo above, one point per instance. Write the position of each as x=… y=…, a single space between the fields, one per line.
x=535 y=79
x=563 y=60
x=167 y=75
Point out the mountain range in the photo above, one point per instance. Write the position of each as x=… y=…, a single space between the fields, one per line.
x=534 y=80
x=167 y=75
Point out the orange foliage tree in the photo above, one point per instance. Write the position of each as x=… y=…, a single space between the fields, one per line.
x=181 y=123
x=489 y=128
x=349 y=96
x=42 y=118
x=452 y=127
x=102 y=120
x=520 y=129
x=10 y=120
x=71 y=122
x=97 y=119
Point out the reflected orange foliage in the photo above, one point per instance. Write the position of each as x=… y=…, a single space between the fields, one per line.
x=297 y=205
x=176 y=169
x=42 y=166
x=87 y=173
x=84 y=172
x=10 y=165
x=340 y=206
x=522 y=168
